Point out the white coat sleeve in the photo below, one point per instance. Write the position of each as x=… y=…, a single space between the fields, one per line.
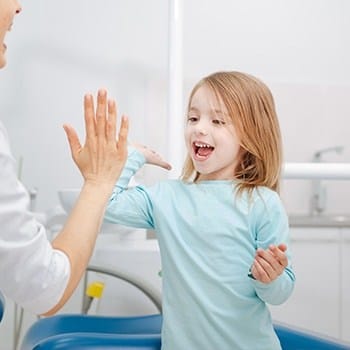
x=32 y=273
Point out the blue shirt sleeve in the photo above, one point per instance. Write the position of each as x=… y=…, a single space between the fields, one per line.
x=130 y=206
x=270 y=225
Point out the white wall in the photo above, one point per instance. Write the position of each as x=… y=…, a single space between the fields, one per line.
x=59 y=50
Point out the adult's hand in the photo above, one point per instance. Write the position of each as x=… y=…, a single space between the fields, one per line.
x=101 y=158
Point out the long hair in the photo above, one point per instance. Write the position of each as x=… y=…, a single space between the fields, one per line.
x=250 y=105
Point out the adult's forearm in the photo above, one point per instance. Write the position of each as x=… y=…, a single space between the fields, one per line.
x=78 y=236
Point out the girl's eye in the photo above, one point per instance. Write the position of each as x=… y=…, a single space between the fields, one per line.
x=192 y=119
x=219 y=122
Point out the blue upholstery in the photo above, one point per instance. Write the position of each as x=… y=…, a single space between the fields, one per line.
x=91 y=341
x=79 y=332
x=2 y=306
x=295 y=339
x=63 y=328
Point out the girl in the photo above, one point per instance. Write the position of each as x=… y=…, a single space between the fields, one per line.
x=222 y=229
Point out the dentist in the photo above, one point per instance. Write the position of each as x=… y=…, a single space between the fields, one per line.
x=37 y=274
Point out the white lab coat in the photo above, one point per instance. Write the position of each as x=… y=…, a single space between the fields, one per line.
x=32 y=273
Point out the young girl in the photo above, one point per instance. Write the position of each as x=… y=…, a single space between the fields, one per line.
x=222 y=229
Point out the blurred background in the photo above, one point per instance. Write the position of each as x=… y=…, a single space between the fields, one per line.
x=59 y=50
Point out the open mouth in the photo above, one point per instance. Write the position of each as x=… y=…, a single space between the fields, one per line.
x=202 y=150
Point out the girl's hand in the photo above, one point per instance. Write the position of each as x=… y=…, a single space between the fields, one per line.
x=270 y=263
x=101 y=158
x=151 y=156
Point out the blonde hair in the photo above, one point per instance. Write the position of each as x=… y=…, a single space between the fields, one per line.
x=250 y=104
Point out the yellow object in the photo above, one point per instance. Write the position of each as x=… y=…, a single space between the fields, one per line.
x=95 y=289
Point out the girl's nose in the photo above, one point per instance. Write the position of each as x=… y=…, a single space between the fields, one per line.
x=201 y=129
x=203 y=132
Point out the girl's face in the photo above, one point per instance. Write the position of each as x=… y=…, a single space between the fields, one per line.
x=8 y=9
x=211 y=139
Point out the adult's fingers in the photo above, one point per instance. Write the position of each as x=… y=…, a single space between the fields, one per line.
x=111 y=129
x=101 y=113
x=73 y=140
x=89 y=116
x=122 y=143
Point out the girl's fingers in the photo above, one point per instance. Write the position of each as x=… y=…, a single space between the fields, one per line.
x=156 y=159
x=267 y=268
x=278 y=253
x=165 y=165
x=265 y=254
x=282 y=247
x=270 y=263
x=260 y=273
x=273 y=261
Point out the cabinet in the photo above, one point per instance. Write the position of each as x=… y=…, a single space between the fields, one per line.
x=320 y=301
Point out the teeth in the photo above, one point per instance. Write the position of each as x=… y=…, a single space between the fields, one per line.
x=198 y=144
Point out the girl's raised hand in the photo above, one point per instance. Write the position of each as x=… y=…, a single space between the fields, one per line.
x=270 y=263
x=101 y=158
x=151 y=156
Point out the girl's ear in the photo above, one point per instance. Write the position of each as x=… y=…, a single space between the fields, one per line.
x=241 y=154
x=240 y=159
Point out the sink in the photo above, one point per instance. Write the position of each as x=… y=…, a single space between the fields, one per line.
x=329 y=220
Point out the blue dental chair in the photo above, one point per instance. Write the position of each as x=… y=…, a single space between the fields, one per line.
x=292 y=338
x=65 y=332
x=78 y=332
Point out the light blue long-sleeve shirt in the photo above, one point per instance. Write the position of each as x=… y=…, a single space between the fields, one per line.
x=208 y=237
